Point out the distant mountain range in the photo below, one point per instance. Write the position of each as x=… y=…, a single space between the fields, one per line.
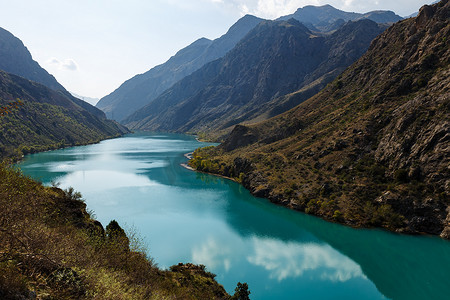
x=274 y=59
x=90 y=100
x=372 y=148
x=49 y=117
x=142 y=89
x=327 y=18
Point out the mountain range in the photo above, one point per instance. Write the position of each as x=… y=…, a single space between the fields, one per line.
x=90 y=100
x=327 y=18
x=274 y=59
x=142 y=89
x=371 y=149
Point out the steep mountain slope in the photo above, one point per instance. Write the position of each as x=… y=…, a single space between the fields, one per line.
x=16 y=59
x=47 y=119
x=372 y=148
x=142 y=89
x=274 y=59
x=327 y=18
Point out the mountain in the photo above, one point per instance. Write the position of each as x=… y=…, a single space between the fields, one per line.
x=142 y=89
x=16 y=59
x=47 y=119
x=37 y=113
x=327 y=18
x=372 y=148
x=276 y=58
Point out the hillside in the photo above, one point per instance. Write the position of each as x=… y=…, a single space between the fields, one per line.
x=47 y=119
x=51 y=248
x=372 y=148
x=144 y=88
x=327 y=18
x=16 y=59
x=274 y=59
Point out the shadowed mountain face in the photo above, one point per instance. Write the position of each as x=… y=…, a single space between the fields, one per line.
x=274 y=59
x=372 y=148
x=327 y=18
x=142 y=89
x=16 y=59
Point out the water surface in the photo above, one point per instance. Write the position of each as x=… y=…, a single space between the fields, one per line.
x=184 y=216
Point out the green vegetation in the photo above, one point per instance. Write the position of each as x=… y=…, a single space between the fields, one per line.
x=51 y=248
x=201 y=160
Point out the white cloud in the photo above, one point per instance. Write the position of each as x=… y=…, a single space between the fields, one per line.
x=68 y=64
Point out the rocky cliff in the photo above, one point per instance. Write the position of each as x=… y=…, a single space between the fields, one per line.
x=372 y=148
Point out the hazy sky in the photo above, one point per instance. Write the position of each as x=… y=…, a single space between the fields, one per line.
x=92 y=46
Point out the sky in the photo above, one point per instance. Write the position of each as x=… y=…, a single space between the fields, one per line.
x=93 y=46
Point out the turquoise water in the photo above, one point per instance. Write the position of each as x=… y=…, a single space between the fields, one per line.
x=184 y=216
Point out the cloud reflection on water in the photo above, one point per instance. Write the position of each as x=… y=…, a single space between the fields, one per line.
x=282 y=260
x=291 y=259
x=86 y=180
x=213 y=254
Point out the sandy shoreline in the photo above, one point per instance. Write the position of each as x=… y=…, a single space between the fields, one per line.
x=187 y=167
x=189 y=155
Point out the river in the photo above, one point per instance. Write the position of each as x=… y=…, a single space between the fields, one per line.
x=185 y=216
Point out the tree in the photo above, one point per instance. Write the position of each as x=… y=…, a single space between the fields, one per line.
x=241 y=292
x=116 y=235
